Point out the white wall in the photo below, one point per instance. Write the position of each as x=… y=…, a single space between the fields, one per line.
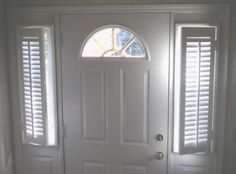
x=5 y=138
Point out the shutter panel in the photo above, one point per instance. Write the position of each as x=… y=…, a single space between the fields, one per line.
x=32 y=82
x=197 y=88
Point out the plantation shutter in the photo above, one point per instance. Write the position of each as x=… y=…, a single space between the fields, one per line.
x=32 y=83
x=197 y=89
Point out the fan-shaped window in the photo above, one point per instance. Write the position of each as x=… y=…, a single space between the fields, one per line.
x=113 y=42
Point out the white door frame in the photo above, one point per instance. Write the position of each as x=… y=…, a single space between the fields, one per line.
x=51 y=15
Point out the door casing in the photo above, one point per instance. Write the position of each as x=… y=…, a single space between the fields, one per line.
x=217 y=13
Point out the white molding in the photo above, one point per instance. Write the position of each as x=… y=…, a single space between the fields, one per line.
x=176 y=8
x=171 y=93
x=58 y=67
x=222 y=113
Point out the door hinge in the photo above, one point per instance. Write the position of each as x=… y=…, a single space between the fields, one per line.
x=215 y=45
x=213 y=135
x=61 y=40
x=63 y=131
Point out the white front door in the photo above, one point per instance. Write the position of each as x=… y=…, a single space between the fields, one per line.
x=114 y=108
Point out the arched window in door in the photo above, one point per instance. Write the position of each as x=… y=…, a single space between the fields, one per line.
x=113 y=41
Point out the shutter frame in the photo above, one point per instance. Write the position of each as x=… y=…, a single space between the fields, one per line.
x=197 y=34
x=22 y=34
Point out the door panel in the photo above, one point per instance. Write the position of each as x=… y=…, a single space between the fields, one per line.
x=114 y=108
x=134 y=115
x=93 y=96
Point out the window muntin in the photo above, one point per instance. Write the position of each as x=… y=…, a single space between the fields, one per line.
x=113 y=41
x=194 y=89
x=37 y=85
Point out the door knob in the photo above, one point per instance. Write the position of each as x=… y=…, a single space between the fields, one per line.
x=159 y=155
x=159 y=137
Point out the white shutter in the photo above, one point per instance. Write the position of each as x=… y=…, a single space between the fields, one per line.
x=32 y=84
x=197 y=89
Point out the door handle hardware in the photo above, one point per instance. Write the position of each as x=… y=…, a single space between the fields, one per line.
x=159 y=155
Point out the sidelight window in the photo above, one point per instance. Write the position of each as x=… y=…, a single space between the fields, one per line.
x=194 y=89
x=37 y=85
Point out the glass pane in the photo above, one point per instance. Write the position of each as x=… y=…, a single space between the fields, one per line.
x=50 y=88
x=113 y=54
x=91 y=49
x=103 y=38
x=122 y=37
x=135 y=49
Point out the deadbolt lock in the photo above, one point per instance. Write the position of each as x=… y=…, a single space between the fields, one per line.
x=159 y=137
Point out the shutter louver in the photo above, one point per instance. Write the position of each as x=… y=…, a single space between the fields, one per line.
x=33 y=84
x=197 y=89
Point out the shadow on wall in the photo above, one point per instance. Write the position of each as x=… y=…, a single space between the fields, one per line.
x=5 y=153
x=5 y=133
x=230 y=138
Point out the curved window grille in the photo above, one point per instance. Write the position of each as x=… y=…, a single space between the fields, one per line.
x=113 y=41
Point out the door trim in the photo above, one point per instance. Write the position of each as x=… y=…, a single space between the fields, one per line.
x=177 y=8
x=16 y=14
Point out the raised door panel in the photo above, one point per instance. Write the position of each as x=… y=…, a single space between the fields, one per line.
x=91 y=167
x=42 y=165
x=193 y=169
x=134 y=107
x=134 y=169
x=93 y=107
